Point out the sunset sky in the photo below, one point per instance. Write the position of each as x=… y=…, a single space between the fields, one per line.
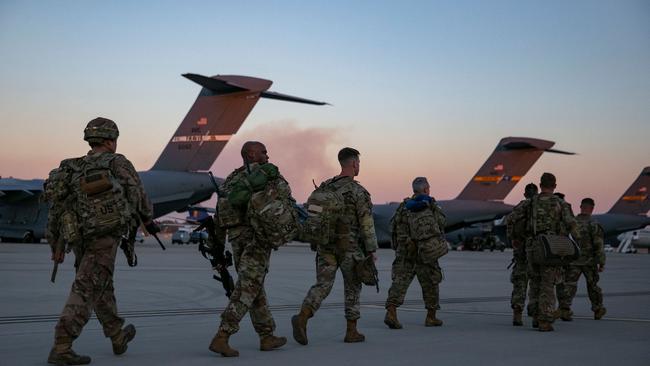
x=420 y=88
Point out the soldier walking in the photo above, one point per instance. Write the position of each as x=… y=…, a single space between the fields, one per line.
x=251 y=256
x=516 y=231
x=91 y=200
x=355 y=238
x=590 y=264
x=418 y=239
x=545 y=214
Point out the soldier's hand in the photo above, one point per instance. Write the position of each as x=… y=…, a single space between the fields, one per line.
x=152 y=227
x=58 y=257
x=601 y=267
x=374 y=256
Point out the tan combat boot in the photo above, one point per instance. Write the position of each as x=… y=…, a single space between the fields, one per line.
x=351 y=333
x=600 y=313
x=62 y=354
x=271 y=342
x=566 y=315
x=220 y=345
x=391 y=318
x=545 y=327
x=299 y=324
x=431 y=320
x=122 y=338
x=517 y=320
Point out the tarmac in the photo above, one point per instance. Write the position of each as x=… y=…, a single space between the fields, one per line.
x=175 y=304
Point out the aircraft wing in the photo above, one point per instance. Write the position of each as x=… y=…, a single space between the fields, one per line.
x=16 y=190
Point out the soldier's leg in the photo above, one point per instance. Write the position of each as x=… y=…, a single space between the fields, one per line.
x=105 y=305
x=546 y=303
x=261 y=315
x=594 y=291
x=351 y=287
x=430 y=276
x=252 y=268
x=534 y=280
x=78 y=307
x=519 y=280
x=326 y=266
x=571 y=278
x=352 y=292
x=402 y=274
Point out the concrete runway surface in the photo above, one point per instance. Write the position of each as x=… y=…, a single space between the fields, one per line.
x=175 y=304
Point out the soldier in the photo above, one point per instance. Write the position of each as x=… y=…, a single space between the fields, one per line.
x=102 y=190
x=251 y=261
x=546 y=214
x=590 y=264
x=517 y=235
x=355 y=240
x=411 y=256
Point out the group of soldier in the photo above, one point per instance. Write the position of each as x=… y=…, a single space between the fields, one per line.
x=546 y=212
x=418 y=240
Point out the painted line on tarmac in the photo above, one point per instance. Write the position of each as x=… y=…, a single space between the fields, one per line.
x=25 y=319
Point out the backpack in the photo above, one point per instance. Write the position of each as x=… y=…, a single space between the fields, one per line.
x=425 y=232
x=98 y=198
x=61 y=218
x=324 y=206
x=272 y=215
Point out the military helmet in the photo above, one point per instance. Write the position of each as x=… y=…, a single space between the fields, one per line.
x=101 y=129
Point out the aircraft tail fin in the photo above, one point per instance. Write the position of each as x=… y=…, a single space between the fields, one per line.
x=509 y=162
x=635 y=200
x=218 y=112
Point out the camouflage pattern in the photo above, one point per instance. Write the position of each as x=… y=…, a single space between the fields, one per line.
x=516 y=232
x=99 y=129
x=92 y=289
x=355 y=237
x=252 y=258
x=410 y=261
x=592 y=254
x=544 y=214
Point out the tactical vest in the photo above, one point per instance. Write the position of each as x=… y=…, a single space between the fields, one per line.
x=99 y=200
x=325 y=208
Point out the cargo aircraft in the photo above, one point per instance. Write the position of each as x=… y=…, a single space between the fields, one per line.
x=178 y=179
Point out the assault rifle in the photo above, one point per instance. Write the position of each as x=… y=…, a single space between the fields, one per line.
x=58 y=249
x=219 y=257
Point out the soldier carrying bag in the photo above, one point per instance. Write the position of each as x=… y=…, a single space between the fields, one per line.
x=552 y=249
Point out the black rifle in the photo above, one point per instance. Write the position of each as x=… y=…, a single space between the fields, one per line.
x=60 y=247
x=219 y=257
x=128 y=244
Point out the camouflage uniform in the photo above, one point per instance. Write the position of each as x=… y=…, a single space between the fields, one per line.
x=591 y=255
x=252 y=264
x=516 y=231
x=552 y=216
x=356 y=237
x=408 y=261
x=92 y=289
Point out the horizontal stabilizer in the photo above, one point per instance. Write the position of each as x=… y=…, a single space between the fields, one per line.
x=290 y=98
x=217 y=86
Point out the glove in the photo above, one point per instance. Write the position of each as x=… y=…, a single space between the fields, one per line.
x=152 y=227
